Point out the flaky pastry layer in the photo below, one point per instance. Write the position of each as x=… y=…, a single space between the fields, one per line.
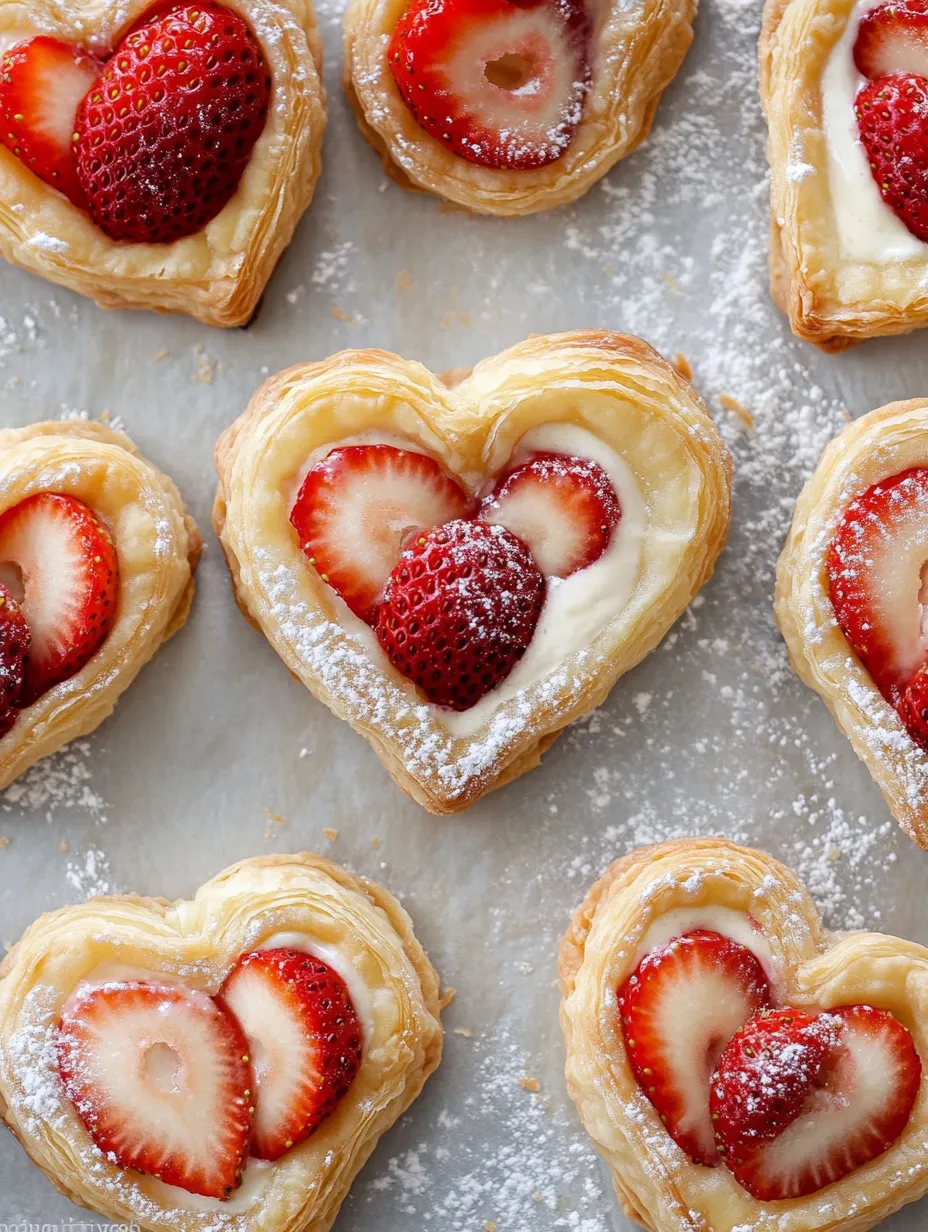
x=198 y=941
x=615 y=386
x=219 y=274
x=158 y=547
x=656 y=1183
x=830 y=299
x=637 y=51
x=877 y=446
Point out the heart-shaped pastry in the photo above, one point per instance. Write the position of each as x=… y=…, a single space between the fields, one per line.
x=460 y=572
x=844 y=85
x=158 y=155
x=851 y=593
x=231 y=1059
x=509 y=108
x=738 y=1067
x=96 y=570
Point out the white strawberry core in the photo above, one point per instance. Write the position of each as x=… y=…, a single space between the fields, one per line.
x=57 y=94
x=864 y=1083
x=46 y=565
x=901 y=50
x=536 y=514
x=282 y=1054
x=695 y=1017
x=516 y=77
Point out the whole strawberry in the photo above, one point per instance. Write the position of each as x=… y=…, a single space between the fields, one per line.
x=891 y=116
x=15 y=640
x=164 y=135
x=459 y=610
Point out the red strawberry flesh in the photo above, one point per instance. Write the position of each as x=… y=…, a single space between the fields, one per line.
x=160 y=1077
x=15 y=640
x=893 y=38
x=563 y=507
x=838 y=1088
x=499 y=82
x=63 y=557
x=360 y=505
x=892 y=118
x=875 y=566
x=165 y=135
x=460 y=610
x=304 y=1037
x=678 y=1010
x=913 y=707
x=42 y=81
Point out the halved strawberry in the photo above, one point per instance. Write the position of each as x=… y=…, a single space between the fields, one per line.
x=565 y=508
x=161 y=1078
x=14 y=653
x=891 y=121
x=893 y=38
x=304 y=1037
x=500 y=82
x=678 y=1011
x=42 y=81
x=875 y=565
x=835 y=1089
x=359 y=506
x=69 y=571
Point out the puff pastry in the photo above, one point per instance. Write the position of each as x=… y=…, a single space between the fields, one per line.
x=656 y=893
x=353 y=924
x=843 y=267
x=218 y=274
x=157 y=546
x=871 y=450
x=595 y=393
x=634 y=54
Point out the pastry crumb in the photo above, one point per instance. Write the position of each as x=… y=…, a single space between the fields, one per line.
x=529 y=1084
x=158 y=356
x=63 y=847
x=105 y=416
x=276 y=821
x=464 y=1032
x=4 y=841
x=330 y=834
x=341 y=315
x=732 y=404
x=834 y=853
x=683 y=366
x=206 y=366
x=446 y=320
x=403 y=281
x=375 y=842
x=671 y=282
x=489 y=1225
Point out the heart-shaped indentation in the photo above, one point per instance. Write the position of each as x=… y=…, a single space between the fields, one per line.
x=83 y=653
x=850 y=598
x=508 y=109
x=851 y=1011
x=122 y=1023
x=595 y=395
x=120 y=242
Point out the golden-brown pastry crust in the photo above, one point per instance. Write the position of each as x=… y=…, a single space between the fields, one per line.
x=831 y=300
x=219 y=274
x=877 y=446
x=198 y=942
x=656 y=1183
x=158 y=547
x=636 y=54
x=615 y=386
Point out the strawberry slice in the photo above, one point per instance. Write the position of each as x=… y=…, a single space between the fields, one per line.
x=891 y=122
x=359 y=506
x=678 y=1011
x=565 y=508
x=801 y=1100
x=14 y=652
x=913 y=707
x=500 y=82
x=67 y=563
x=42 y=81
x=893 y=38
x=160 y=1077
x=875 y=564
x=305 y=1038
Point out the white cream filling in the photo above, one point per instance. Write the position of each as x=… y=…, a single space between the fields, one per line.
x=736 y=925
x=576 y=608
x=868 y=230
x=258 y=1172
